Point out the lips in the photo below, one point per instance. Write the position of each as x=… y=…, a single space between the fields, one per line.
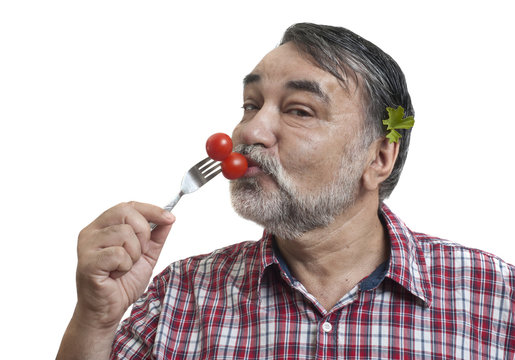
x=253 y=167
x=258 y=161
x=251 y=162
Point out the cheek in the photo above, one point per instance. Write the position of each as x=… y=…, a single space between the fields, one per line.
x=303 y=157
x=312 y=159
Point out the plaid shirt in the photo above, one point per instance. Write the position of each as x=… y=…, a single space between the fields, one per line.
x=432 y=300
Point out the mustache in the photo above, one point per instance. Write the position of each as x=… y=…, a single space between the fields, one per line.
x=257 y=153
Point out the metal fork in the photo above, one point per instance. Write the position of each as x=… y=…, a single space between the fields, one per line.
x=198 y=175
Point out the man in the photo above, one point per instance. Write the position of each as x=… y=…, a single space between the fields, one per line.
x=336 y=274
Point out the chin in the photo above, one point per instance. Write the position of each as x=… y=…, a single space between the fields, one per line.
x=275 y=210
x=248 y=199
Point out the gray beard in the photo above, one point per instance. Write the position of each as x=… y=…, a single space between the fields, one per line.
x=287 y=212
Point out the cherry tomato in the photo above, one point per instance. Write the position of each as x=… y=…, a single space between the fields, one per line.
x=219 y=146
x=234 y=166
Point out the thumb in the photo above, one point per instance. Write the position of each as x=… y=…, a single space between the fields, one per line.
x=158 y=237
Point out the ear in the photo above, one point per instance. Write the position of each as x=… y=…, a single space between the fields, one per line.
x=381 y=159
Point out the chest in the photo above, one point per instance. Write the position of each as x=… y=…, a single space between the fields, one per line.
x=284 y=324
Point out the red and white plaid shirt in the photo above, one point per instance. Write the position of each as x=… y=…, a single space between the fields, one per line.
x=432 y=300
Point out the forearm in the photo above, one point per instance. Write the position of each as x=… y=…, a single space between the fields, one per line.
x=84 y=342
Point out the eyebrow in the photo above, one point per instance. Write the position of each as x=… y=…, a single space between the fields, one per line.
x=250 y=78
x=302 y=85
x=309 y=86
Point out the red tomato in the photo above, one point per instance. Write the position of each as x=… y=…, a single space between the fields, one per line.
x=234 y=166
x=219 y=146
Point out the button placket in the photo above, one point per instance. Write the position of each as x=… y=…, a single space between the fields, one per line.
x=327 y=342
x=327 y=327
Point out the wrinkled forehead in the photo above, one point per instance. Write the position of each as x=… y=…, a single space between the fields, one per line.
x=288 y=62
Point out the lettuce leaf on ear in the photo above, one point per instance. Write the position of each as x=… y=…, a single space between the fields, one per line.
x=396 y=120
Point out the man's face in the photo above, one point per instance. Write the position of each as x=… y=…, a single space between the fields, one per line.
x=306 y=165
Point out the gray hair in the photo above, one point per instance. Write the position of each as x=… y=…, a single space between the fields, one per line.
x=343 y=53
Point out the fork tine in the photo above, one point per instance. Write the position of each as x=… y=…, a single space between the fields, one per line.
x=196 y=177
x=202 y=162
x=209 y=167
x=207 y=172
x=212 y=175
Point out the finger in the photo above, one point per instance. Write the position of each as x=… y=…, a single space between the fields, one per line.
x=118 y=235
x=114 y=258
x=136 y=214
x=154 y=214
x=118 y=214
x=152 y=249
x=126 y=213
x=160 y=233
x=124 y=267
x=158 y=216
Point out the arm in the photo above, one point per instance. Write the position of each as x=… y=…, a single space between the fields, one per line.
x=116 y=256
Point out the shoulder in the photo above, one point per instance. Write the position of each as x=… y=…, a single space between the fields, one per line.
x=223 y=258
x=219 y=266
x=450 y=259
x=205 y=282
x=442 y=257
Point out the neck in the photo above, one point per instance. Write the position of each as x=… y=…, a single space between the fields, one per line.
x=331 y=261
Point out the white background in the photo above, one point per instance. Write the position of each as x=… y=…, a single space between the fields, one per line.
x=109 y=101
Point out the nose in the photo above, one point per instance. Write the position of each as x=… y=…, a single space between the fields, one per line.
x=258 y=129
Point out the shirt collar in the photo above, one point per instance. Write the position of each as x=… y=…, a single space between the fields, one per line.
x=268 y=257
x=407 y=265
x=407 y=262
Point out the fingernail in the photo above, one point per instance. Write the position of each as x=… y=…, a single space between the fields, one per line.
x=168 y=215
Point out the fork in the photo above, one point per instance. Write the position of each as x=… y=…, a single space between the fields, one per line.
x=194 y=179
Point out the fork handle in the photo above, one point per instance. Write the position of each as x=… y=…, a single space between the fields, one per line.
x=169 y=207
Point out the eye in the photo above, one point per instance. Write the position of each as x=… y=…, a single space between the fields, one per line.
x=249 y=107
x=300 y=110
x=299 y=113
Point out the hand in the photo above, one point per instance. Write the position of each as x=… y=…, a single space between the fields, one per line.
x=116 y=256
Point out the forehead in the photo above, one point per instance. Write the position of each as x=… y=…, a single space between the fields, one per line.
x=286 y=63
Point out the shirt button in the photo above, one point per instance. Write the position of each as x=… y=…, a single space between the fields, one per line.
x=327 y=327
